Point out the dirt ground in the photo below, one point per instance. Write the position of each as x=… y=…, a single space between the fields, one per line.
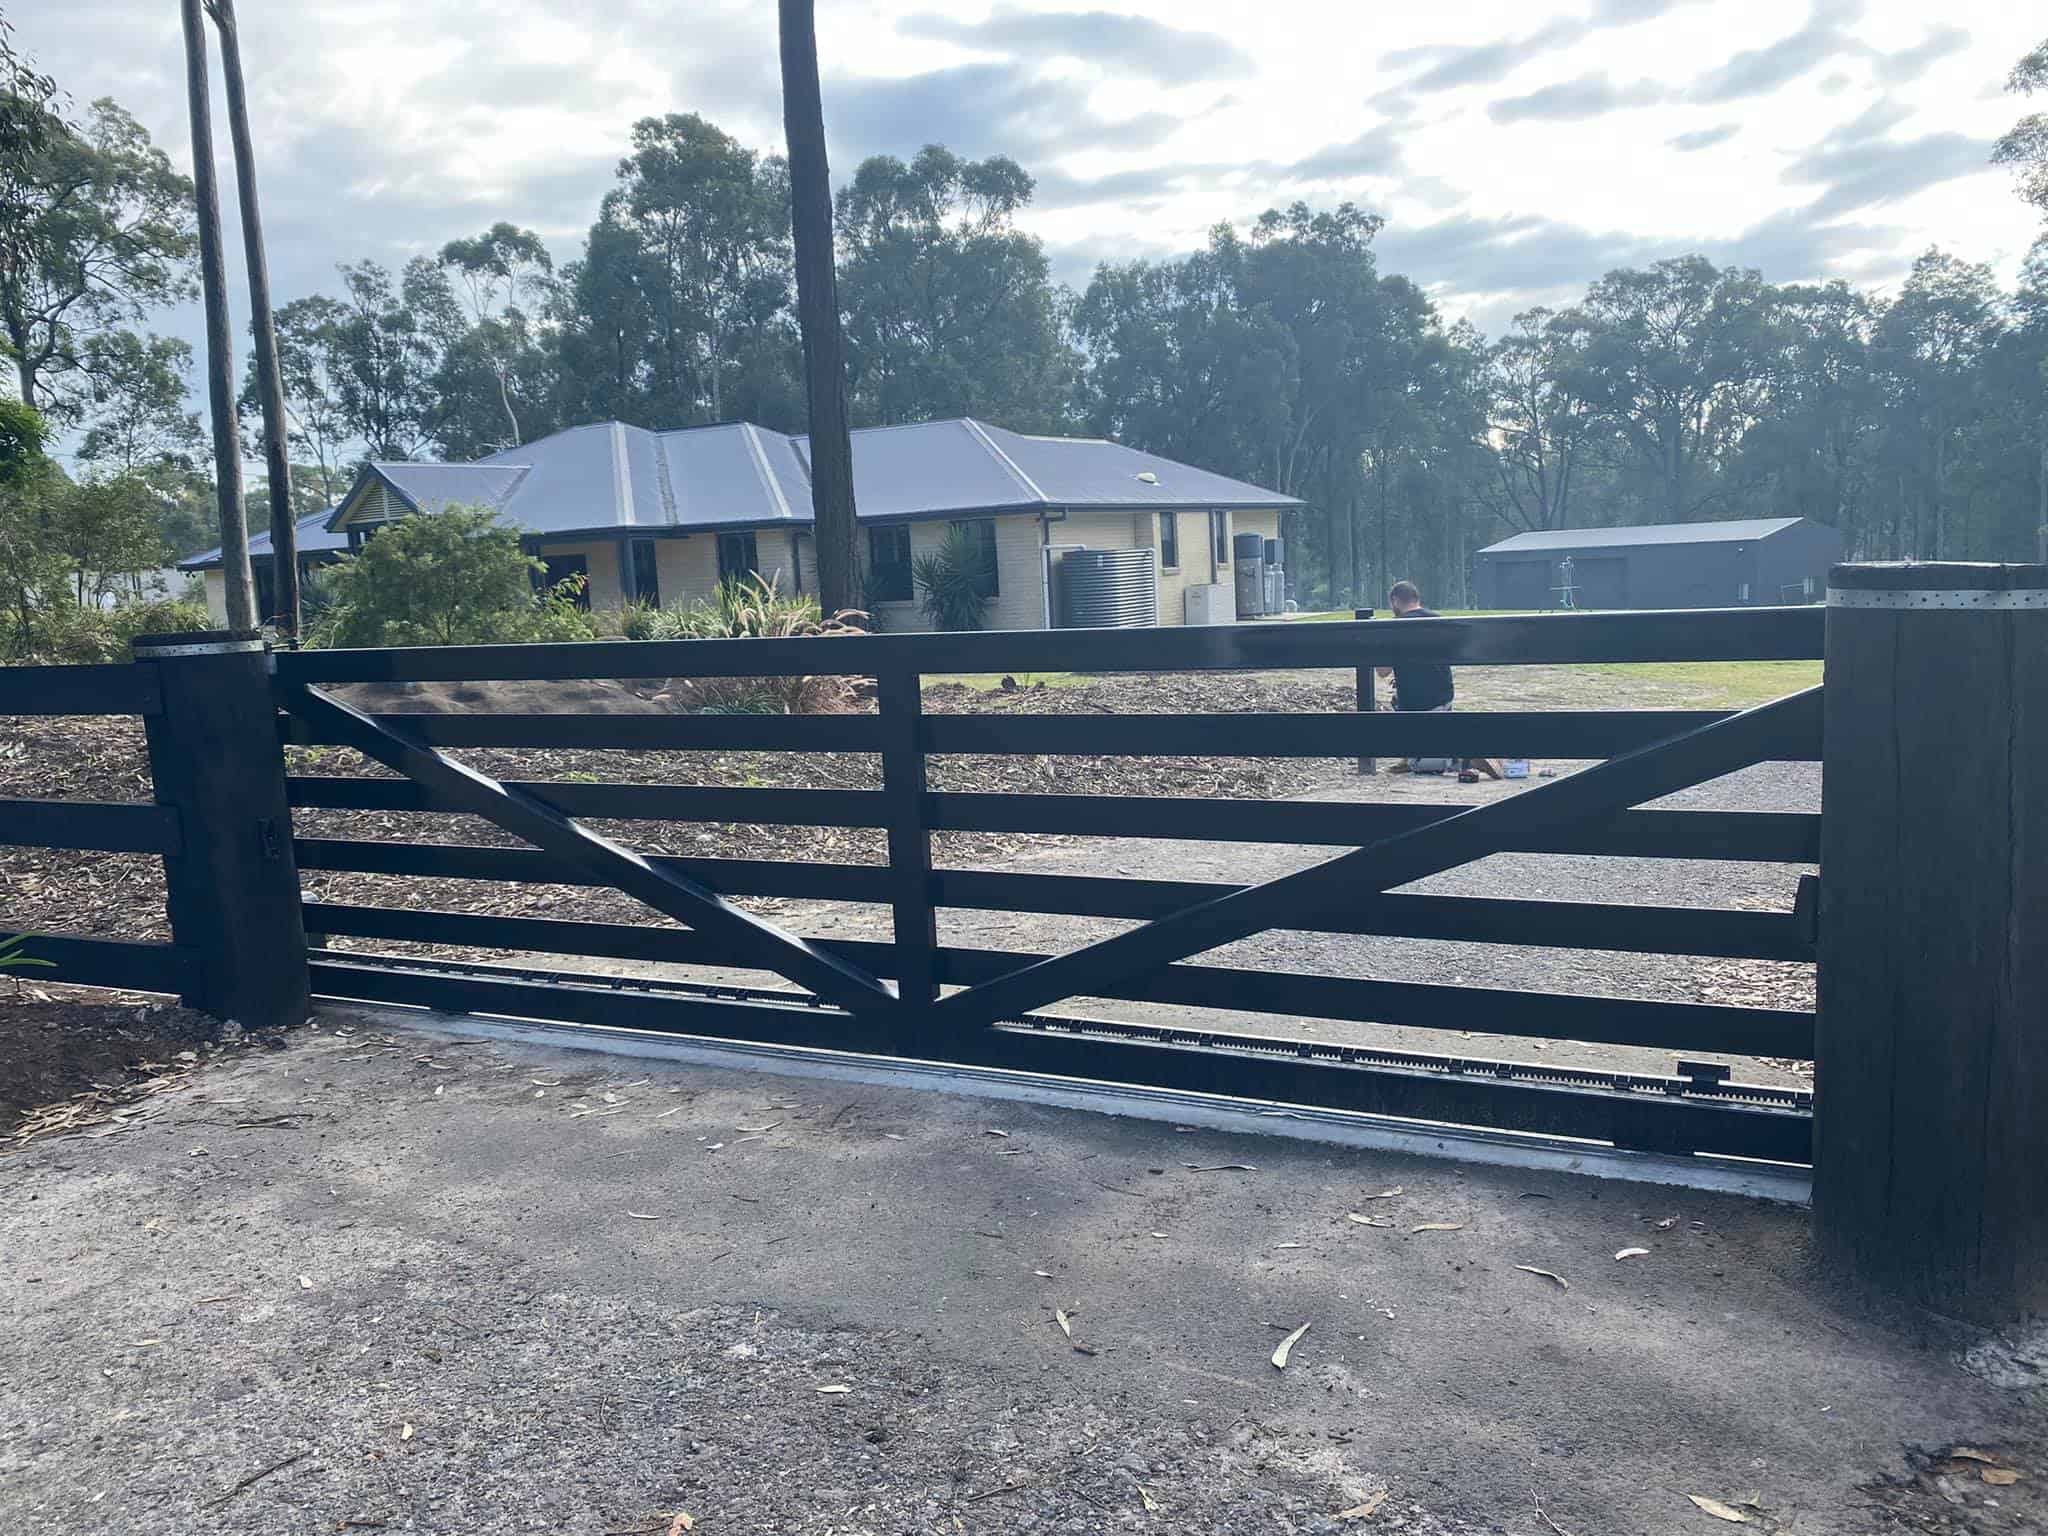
x=73 y=1056
x=389 y=1279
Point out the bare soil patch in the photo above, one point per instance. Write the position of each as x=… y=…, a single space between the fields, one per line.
x=71 y=1058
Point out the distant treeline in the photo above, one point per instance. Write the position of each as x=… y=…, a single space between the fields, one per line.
x=1915 y=421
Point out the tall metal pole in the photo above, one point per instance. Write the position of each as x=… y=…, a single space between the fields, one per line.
x=284 y=528
x=817 y=309
x=220 y=356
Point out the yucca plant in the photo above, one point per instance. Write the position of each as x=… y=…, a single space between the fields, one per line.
x=953 y=581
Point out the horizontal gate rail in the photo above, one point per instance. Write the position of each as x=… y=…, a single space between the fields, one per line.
x=136 y=965
x=1729 y=634
x=1514 y=733
x=1764 y=837
x=616 y=802
x=1295 y=899
x=667 y=733
x=1234 y=1066
x=114 y=688
x=1786 y=1033
x=753 y=941
x=1718 y=931
x=89 y=825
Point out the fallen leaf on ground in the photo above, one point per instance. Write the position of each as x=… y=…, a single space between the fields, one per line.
x=1369 y=1221
x=1004 y=1134
x=1388 y=1194
x=1548 y=1274
x=1631 y=1253
x=681 y=1523
x=305 y=1282
x=1971 y=1453
x=1065 y=1322
x=1151 y=1504
x=643 y=1216
x=2000 y=1477
x=1364 y=1511
x=1219 y=1167
x=1083 y=1349
x=1437 y=1226
x=1287 y=1344
x=835 y=1389
x=1287 y=1245
x=1043 y=1274
x=1665 y=1226
x=1719 y=1510
x=405 y=1433
x=1160 y=1235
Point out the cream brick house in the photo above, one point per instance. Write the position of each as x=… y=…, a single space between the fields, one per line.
x=663 y=517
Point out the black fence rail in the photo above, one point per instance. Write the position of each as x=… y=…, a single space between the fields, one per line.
x=92 y=827
x=923 y=971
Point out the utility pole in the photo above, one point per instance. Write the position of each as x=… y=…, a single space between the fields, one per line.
x=220 y=356
x=284 y=527
x=817 y=310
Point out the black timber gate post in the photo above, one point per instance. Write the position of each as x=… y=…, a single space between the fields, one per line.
x=900 y=699
x=215 y=758
x=1931 y=1114
x=1367 y=702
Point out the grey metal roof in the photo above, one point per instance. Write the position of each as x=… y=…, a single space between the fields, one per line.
x=313 y=539
x=612 y=477
x=1734 y=531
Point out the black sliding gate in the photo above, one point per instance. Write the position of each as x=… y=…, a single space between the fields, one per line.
x=912 y=995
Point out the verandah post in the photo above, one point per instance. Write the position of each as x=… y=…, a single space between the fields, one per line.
x=900 y=698
x=1931 y=1130
x=215 y=757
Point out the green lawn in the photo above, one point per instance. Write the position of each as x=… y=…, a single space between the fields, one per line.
x=986 y=682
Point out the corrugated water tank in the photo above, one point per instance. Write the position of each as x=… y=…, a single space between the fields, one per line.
x=1109 y=588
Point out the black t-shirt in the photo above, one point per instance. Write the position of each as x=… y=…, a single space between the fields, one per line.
x=1421 y=685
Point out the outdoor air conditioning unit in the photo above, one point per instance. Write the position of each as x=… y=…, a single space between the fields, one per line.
x=1212 y=603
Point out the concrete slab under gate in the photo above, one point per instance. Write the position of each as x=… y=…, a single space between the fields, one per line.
x=385 y=1278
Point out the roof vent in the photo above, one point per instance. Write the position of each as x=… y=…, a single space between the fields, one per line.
x=1148 y=477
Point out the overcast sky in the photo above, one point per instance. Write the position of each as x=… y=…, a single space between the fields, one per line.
x=1518 y=148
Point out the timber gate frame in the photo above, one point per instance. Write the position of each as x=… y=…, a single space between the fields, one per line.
x=892 y=997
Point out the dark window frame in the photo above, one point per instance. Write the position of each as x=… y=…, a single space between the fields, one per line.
x=903 y=591
x=984 y=529
x=730 y=569
x=1169 y=541
x=1219 y=536
x=559 y=568
x=647 y=582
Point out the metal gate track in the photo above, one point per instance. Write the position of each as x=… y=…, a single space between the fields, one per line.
x=1747 y=1119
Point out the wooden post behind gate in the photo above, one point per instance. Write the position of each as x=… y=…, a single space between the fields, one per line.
x=1931 y=1129
x=1367 y=701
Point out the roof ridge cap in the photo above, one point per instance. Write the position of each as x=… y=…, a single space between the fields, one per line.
x=1015 y=470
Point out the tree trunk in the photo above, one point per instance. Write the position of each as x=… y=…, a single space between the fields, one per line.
x=817 y=307
x=284 y=526
x=220 y=356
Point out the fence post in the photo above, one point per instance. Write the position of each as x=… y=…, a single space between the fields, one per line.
x=1368 y=700
x=214 y=756
x=1931 y=1145
x=900 y=698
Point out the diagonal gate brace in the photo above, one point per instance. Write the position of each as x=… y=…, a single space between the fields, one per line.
x=754 y=943
x=1785 y=725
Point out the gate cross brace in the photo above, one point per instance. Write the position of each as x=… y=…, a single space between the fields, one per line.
x=1692 y=757
x=754 y=943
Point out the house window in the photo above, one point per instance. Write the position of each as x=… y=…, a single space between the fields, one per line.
x=739 y=558
x=984 y=536
x=1169 y=540
x=561 y=568
x=889 y=565
x=643 y=571
x=1219 y=536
